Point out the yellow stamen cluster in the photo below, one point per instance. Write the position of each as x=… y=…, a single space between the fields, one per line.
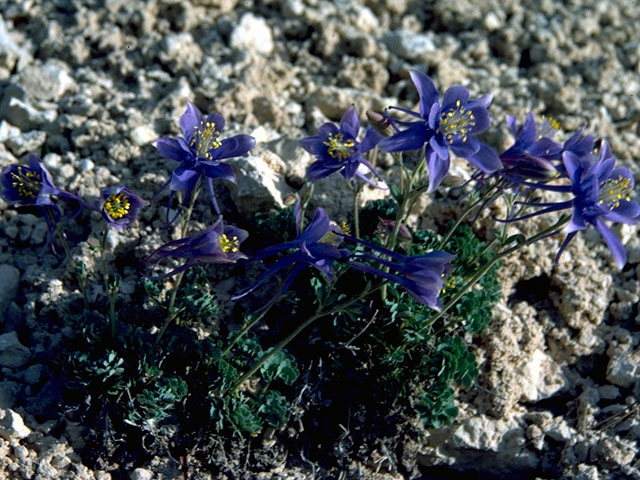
x=449 y=284
x=612 y=190
x=339 y=147
x=458 y=121
x=345 y=228
x=547 y=128
x=117 y=205
x=229 y=244
x=27 y=182
x=205 y=139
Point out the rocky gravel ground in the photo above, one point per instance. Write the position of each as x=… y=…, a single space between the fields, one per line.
x=92 y=83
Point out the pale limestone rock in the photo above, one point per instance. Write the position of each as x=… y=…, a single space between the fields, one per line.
x=12 y=426
x=252 y=34
x=258 y=187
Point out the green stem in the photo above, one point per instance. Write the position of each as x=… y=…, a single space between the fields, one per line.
x=563 y=220
x=82 y=278
x=484 y=198
x=171 y=315
x=110 y=290
x=356 y=214
x=248 y=326
x=319 y=314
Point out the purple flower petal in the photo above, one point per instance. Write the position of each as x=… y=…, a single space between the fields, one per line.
x=370 y=140
x=173 y=149
x=236 y=146
x=190 y=121
x=426 y=90
x=218 y=170
x=350 y=122
x=183 y=179
x=413 y=138
x=613 y=242
x=453 y=95
x=466 y=147
x=482 y=102
x=440 y=146
x=217 y=120
x=438 y=169
x=626 y=212
x=485 y=159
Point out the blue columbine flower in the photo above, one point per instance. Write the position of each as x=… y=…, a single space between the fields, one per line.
x=33 y=185
x=316 y=246
x=532 y=153
x=200 y=152
x=119 y=206
x=602 y=192
x=219 y=244
x=450 y=125
x=338 y=150
x=535 y=155
x=421 y=275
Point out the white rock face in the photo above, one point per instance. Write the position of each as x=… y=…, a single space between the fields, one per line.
x=540 y=376
x=622 y=369
x=252 y=34
x=407 y=45
x=46 y=82
x=11 y=426
x=258 y=187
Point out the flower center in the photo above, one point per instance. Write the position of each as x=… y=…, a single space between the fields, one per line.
x=547 y=128
x=117 y=205
x=612 y=190
x=229 y=244
x=457 y=122
x=27 y=182
x=205 y=139
x=339 y=147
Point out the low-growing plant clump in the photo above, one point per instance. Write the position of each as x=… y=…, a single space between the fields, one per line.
x=352 y=325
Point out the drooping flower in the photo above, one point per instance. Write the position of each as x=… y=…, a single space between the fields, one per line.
x=200 y=153
x=445 y=126
x=120 y=206
x=531 y=155
x=420 y=275
x=33 y=185
x=218 y=244
x=315 y=247
x=337 y=149
x=602 y=192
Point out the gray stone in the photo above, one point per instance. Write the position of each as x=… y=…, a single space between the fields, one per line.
x=18 y=110
x=623 y=365
x=560 y=431
x=407 y=45
x=86 y=165
x=11 y=426
x=12 y=353
x=10 y=52
x=46 y=82
x=252 y=34
x=257 y=186
x=33 y=374
x=141 y=474
x=9 y=279
x=8 y=131
x=9 y=392
x=28 y=142
x=143 y=135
